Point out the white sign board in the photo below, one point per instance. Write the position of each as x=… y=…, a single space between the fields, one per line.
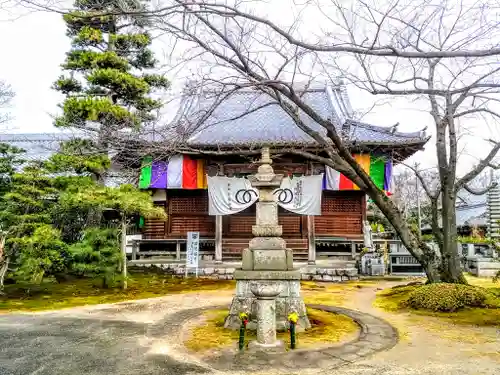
x=192 y=250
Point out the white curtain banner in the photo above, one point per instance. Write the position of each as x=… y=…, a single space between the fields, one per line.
x=229 y=195
x=332 y=178
x=174 y=172
x=301 y=195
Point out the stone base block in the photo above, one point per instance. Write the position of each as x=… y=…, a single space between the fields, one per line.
x=277 y=347
x=272 y=258
x=288 y=301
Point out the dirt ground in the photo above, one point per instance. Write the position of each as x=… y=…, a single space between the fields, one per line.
x=130 y=338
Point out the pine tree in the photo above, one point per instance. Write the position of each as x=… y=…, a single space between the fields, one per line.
x=106 y=88
x=97 y=255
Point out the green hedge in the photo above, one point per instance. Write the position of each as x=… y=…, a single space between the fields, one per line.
x=446 y=297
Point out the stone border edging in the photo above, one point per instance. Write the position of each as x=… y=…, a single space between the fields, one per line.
x=375 y=335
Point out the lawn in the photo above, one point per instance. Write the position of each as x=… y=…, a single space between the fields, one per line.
x=327 y=329
x=79 y=292
x=391 y=300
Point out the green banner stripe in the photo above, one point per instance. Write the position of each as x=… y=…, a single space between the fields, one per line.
x=145 y=178
x=377 y=170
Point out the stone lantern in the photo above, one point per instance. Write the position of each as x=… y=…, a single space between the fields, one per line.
x=267 y=285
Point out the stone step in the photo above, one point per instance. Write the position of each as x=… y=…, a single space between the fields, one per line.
x=237 y=256
x=231 y=239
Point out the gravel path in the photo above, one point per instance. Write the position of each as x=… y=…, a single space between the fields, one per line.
x=133 y=338
x=427 y=345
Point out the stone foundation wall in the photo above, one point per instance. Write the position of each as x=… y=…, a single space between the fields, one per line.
x=484 y=267
x=226 y=273
x=329 y=274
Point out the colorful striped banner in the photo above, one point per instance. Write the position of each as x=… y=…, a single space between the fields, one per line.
x=180 y=172
x=378 y=167
x=183 y=172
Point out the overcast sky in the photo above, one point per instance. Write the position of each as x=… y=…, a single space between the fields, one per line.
x=33 y=46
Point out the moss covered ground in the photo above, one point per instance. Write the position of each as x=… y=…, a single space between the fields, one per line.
x=327 y=328
x=79 y=292
x=394 y=300
x=332 y=294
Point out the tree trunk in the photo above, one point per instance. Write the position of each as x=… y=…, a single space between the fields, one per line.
x=425 y=255
x=4 y=267
x=450 y=268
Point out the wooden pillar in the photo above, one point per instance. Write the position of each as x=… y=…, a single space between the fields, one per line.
x=135 y=245
x=353 y=250
x=124 y=251
x=218 y=239
x=311 y=240
x=311 y=231
x=218 y=226
x=178 y=251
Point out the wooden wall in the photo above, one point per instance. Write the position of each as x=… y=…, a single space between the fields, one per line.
x=342 y=215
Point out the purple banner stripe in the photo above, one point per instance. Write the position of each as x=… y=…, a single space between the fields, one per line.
x=388 y=175
x=158 y=175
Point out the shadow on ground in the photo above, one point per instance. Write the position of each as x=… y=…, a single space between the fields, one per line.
x=51 y=344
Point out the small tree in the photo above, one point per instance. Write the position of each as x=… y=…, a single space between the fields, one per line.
x=41 y=254
x=89 y=258
x=31 y=245
x=10 y=160
x=97 y=255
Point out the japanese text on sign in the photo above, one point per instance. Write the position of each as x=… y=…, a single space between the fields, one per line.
x=192 y=249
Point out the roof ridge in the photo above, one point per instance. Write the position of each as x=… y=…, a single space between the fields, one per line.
x=386 y=129
x=194 y=88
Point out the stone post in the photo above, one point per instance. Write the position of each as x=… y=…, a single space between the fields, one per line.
x=266 y=293
x=311 y=241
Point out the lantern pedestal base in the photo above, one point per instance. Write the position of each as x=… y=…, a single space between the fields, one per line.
x=278 y=346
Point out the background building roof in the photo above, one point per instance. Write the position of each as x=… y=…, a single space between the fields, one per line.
x=38 y=146
x=471 y=209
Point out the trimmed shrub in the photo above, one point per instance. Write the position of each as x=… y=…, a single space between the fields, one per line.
x=446 y=297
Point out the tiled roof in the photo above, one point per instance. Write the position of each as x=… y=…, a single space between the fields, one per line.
x=38 y=146
x=249 y=117
x=471 y=209
x=472 y=215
